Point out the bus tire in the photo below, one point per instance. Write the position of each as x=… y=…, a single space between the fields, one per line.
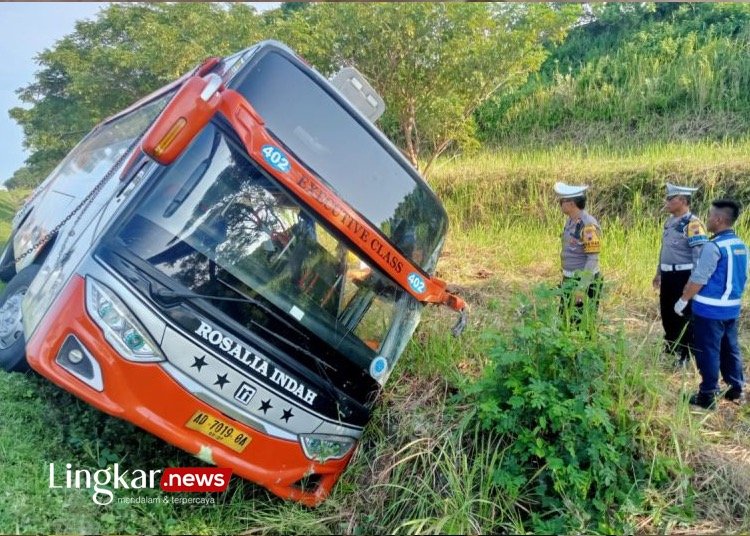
x=12 y=340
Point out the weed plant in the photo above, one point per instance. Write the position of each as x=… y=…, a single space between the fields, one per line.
x=571 y=459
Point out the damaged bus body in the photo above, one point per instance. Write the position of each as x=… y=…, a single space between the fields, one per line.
x=234 y=264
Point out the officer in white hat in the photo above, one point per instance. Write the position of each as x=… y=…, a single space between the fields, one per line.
x=581 y=244
x=682 y=240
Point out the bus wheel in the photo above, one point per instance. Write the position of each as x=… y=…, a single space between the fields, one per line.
x=12 y=340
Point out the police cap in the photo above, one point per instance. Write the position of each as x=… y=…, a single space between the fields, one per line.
x=566 y=191
x=673 y=189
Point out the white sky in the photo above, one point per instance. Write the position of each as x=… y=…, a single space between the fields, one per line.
x=27 y=28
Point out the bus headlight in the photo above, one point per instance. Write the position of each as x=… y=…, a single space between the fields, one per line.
x=119 y=325
x=321 y=447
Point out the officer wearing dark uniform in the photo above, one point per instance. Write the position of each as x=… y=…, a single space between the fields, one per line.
x=682 y=240
x=581 y=244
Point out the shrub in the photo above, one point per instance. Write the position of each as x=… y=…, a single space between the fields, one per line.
x=571 y=452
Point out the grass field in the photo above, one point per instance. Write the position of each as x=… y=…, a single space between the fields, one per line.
x=423 y=465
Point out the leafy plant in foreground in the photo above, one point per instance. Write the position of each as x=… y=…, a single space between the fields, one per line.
x=571 y=456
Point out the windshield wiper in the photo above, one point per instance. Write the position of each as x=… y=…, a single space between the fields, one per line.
x=166 y=296
x=319 y=363
x=297 y=347
x=169 y=297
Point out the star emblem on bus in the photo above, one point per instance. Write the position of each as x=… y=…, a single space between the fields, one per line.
x=265 y=405
x=221 y=381
x=287 y=415
x=199 y=362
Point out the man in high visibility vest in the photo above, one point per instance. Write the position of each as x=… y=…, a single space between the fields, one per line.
x=716 y=287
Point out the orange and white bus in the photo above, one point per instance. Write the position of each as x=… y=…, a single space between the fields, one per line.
x=234 y=264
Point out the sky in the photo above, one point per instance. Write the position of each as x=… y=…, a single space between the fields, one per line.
x=27 y=28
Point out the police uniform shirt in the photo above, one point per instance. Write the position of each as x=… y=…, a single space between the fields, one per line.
x=581 y=244
x=682 y=240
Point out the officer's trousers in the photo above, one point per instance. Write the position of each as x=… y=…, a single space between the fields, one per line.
x=678 y=330
x=717 y=350
x=568 y=307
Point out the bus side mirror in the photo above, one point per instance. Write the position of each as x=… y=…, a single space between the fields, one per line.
x=187 y=113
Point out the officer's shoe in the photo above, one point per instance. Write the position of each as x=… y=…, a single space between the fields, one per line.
x=703 y=400
x=735 y=395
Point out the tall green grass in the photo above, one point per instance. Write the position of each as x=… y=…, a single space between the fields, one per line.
x=502 y=203
x=9 y=203
x=506 y=238
x=683 y=75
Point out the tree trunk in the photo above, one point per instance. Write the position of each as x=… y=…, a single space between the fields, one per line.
x=440 y=150
x=409 y=129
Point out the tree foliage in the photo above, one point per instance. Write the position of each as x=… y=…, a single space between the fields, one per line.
x=106 y=64
x=433 y=63
x=451 y=74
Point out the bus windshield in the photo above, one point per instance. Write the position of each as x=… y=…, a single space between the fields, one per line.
x=333 y=144
x=215 y=221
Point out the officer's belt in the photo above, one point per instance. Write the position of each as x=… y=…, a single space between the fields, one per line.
x=568 y=273
x=676 y=267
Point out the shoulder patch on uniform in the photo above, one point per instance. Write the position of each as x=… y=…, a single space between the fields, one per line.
x=696 y=233
x=591 y=239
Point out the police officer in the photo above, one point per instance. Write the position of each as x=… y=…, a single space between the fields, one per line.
x=581 y=244
x=682 y=240
x=716 y=286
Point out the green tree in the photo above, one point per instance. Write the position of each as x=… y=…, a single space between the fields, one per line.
x=434 y=63
x=108 y=63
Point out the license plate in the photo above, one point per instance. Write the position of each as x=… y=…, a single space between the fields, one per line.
x=219 y=430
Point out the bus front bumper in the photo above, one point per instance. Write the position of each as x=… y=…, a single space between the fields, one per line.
x=145 y=395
